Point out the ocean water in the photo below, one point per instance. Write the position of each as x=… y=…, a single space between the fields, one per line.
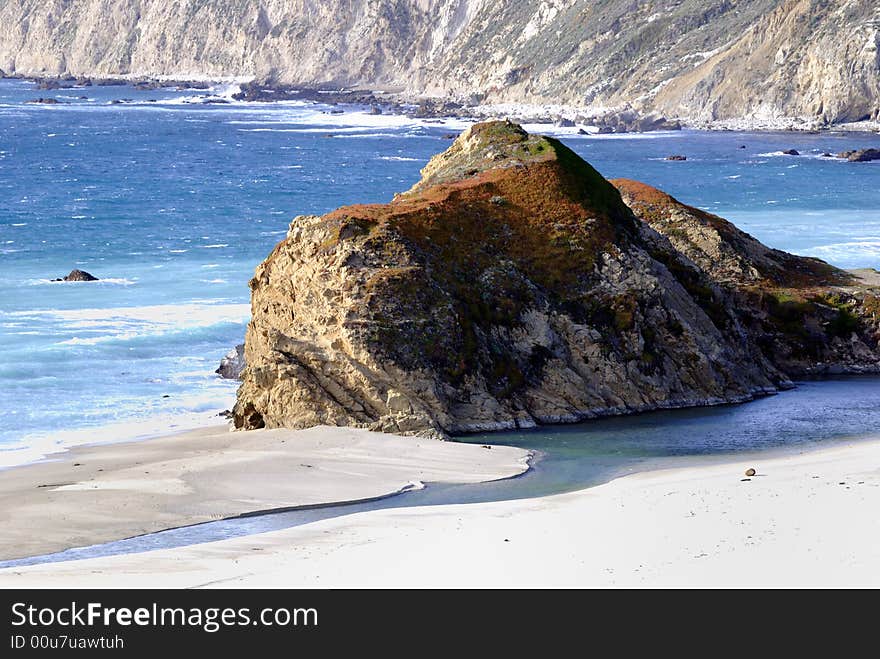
x=173 y=203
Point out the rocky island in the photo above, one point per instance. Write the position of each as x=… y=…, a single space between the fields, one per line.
x=513 y=286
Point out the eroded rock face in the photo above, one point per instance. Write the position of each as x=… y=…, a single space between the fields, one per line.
x=510 y=286
x=807 y=317
x=699 y=60
x=717 y=247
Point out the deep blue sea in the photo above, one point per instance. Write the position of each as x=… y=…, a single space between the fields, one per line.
x=173 y=203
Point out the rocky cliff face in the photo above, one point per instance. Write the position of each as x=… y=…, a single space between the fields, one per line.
x=513 y=286
x=698 y=59
x=807 y=317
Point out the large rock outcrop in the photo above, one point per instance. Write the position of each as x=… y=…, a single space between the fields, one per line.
x=696 y=59
x=513 y=286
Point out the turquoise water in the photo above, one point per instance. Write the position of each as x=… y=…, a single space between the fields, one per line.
x=173 y=204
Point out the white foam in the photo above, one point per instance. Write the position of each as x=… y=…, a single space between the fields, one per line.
x=400 y=159
x=868 y=247
x=370 y=135
x=93 y=326
x=112 y=281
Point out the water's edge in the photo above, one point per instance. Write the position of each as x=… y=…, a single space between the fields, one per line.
x=567 y=458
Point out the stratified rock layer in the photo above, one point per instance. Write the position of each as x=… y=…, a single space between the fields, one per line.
x=694 y=59
x=511 y=286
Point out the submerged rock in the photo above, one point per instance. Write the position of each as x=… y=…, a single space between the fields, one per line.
x=676 y=157
x=232 y=363
x=791 y=152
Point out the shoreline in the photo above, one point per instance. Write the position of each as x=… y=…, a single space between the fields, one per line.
x=698 y=525
x=119 y=490
x=427 y=107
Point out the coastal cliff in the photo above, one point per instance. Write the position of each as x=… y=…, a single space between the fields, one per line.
x=512 y=286
x=807 y=317
x=701 y=61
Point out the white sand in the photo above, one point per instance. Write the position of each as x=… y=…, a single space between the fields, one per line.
x=113 y=491
x=794 y=524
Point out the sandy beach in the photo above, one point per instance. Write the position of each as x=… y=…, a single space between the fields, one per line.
x=93 y=494
x=806 y=519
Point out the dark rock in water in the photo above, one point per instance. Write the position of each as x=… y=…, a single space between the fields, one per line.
x=450 y=136
x=147 y=85
x=78 y=275
x=375 y=109
x=676 y=157
x=191 y=84
x=562 y=122
x=336 y=111
x=861 y=155
x=652 y=123
x=628 y=120
x=232 y=363
x=827 y=155
x=45 y=101
x=436 y=108
x=791 y=152
x=741 y=146
x=48 y=84
x=581 y=131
